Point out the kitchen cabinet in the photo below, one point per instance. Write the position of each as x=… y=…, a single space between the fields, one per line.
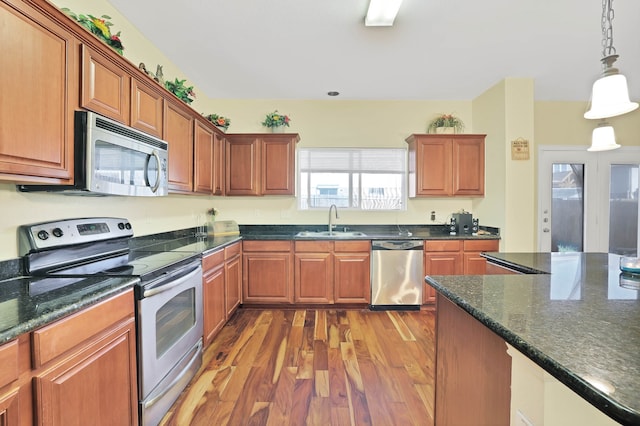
x=232 y=278
x=329 y=272
x=86 y=359
x=105 y=86
x=267 y=271
x=178 y=132
x=446 y=165
x=472 y=365
x=213 y=290
x=454 y=257
x=221 y=288
x=14 y=396
x=203 y=160
x=260 y=164
x=147 y=107
x=314 y=272
x=474 y=264
x=352 y=271
x=208 y=160
x=40 y=90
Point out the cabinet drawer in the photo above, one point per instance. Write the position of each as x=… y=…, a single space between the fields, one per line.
x=232 y=250
x=313 y=246
x=442 y=245
x=9 y=362
x=53 y=340
x=481 y=245
x=268 y=246
x=352 y=246
x=212 y=260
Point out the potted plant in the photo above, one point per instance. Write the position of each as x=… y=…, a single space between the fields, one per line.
x=450 y=122
x=99 y=27
x=220 y=121
x=178 y=88
x=276 y=121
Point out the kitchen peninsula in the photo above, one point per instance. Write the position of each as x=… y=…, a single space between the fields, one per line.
x=568 y=319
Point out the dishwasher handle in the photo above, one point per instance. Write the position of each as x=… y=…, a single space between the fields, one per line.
x=396 y=245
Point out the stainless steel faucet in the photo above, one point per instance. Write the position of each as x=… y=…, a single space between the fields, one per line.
x=331 y=225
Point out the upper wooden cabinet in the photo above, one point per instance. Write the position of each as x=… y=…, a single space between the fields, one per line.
x=446 y=165
x=38 y=94
x=260 y=164
x=208 y=159
x=178 y=132
x=147 y=107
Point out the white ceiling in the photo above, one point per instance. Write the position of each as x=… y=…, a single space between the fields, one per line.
x=437 y=49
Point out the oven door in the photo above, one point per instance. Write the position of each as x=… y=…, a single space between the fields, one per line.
x=169 y=325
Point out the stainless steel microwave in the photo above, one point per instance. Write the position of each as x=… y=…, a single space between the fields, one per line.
x=113 y=159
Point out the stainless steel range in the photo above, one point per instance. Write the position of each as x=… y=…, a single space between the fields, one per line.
x=169 y=297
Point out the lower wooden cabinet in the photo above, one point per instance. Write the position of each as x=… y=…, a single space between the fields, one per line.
x=9 y=408
x=267 y=271
x=454 y=257
x=213 y=289
x=85 y=360
x=232 y=278
x=221 y=288
x=328 y=272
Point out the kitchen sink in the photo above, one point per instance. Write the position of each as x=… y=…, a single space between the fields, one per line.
x=333 y=234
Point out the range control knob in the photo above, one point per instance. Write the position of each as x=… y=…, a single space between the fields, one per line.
x=127 y=225
x=120 y=225
x=57 y=232
x=43 y=235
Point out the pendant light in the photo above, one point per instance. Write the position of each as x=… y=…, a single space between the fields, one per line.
x=610 y=95
x=382 y=13
x=603 y=138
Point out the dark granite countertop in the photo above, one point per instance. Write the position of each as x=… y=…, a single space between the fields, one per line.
x=25 y=306
x=372 y=232
x=568 y=314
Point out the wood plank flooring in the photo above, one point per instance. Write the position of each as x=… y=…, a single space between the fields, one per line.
x=315 y=367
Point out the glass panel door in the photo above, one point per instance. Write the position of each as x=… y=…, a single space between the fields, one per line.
x=567 y=207
x=623 y=209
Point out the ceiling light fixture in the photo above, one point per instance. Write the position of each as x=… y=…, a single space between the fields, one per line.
x=610 y=96
x=382 y=13
x=603 y=138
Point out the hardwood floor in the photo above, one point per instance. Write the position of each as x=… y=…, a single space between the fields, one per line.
x=315 y=367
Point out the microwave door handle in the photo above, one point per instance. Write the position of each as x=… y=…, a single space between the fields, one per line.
x=155 y=187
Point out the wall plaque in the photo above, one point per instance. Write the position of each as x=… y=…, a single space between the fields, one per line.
x=520 y=149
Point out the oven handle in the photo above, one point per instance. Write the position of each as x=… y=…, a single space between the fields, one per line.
x=175 y=282
x=181 y=379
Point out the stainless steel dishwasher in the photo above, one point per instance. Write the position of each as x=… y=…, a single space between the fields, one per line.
x=396 y=275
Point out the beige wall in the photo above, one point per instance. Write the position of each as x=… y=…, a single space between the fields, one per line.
x=504 y=112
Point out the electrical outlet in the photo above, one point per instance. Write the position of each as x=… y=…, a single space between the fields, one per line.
x=433 y=216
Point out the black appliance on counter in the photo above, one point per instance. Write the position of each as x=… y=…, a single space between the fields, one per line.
x=463 y=223
x=169 y=318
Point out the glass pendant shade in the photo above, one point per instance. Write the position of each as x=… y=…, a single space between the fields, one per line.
x=610 y=97
x=603 y=138
x=382 y=13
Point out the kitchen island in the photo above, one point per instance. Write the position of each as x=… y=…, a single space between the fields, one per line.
x=567 y=313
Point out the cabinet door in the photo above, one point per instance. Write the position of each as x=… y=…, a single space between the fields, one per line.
x=267 y=277
x=213 y=287
x=443 y=263
x=203 y=161
x=233 y=285
x=147 y=108
x=178 y=132
x=105 y=86
x=474 y=264
x=313 y=278
x=352 y=277
x=278 y=165
x=40 y=78
x=242 y=166
x=103 y=369
x=9 y=406
x=433 y=169
x=218 y=164
x=468 y=166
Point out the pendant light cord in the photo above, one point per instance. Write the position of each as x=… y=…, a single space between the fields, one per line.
x=607 y=31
